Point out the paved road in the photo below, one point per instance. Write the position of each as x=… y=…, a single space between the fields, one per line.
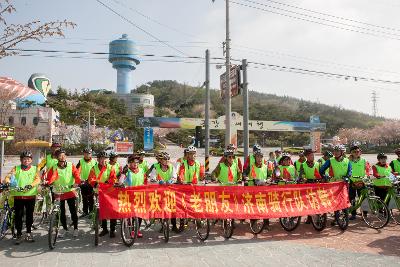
x=358 y=246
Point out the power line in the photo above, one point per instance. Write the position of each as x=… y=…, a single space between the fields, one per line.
x=318 y=18
x=333 y=16
x=313 y=21
x=140 y=28
x=274 y=66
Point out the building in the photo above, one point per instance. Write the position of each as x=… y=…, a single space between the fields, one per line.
x=40 y=122
x=132 y=101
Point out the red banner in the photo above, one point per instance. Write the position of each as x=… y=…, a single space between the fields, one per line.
x=221 y=202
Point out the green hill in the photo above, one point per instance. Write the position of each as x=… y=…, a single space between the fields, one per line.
x=179 y=100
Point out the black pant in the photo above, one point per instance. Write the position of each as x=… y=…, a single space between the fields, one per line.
x=113 y=223
x=87 y=197
x=72 y=209
x=381 y=192
x=29 y=206
x=352 y=196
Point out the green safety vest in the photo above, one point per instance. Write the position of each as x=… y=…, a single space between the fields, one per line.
x=290 y=169
x=190 y=171
x=106 y=174
x=358 y=169
x=223 y=176
x=134 y=179
x=50 y=162
x=165 y=176
x=298 y=164
x=309 y=173
x=65 y=178
x=396 y=164
x=24 y=178
x=85 y=168
x=252 y=160
x=260 y=173
x=384 y=172
x=116 y=168
x=144 y=165
x=339 y=168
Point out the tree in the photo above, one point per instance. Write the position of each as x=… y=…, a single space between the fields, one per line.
x=14 y=34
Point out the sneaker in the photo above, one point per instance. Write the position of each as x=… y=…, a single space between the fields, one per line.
x=29 y=238
x=76 y=233
x=18 y=240
x=112 y=234
x=352 y=217
x=61 y=233
x=103 y=232
x=139 y=234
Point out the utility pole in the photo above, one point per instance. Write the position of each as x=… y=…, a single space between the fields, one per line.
x=374 y=103
x=245 y=110
x=228 y=81
x=88 y=134
x=207 y=113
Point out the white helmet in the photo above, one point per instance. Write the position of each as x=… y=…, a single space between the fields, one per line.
x=191 y=149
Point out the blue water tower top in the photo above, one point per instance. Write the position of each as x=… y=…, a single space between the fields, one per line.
x=123 y=53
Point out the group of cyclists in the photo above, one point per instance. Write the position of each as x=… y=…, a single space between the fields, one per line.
x=63 y=177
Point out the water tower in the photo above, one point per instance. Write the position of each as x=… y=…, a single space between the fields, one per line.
x=123 y=56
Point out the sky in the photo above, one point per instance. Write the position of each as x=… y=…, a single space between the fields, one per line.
x=191 y=26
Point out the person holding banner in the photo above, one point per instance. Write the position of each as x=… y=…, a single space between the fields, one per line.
x=84 y=166
x=191 y=171
x=227 y=172
x=360 y=169
x=142 y=162
x=102 y=174
x=237 y=159
x=251 y=159
x=285 y=170
x=158 y=158
x=133 y=175
x=65 y=175
x=257 y=172
x=339 y=166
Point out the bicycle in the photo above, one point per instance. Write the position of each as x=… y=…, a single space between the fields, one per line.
x=258 y=225
x=42 y=207
x=55 y=220
x=371 y=205
x=392 y=200
x=95 y=217
x=318 y=221
x=7 y=214
x=228 y=225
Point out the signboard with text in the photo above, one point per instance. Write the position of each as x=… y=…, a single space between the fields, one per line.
x=6 y=133
x=235 y=82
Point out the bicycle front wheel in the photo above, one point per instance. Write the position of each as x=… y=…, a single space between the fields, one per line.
x=4 y=214
x=376 y=215
x=290 y=223
x=129 y=230
x=165 y=228
x=342 y=218
x=53 y=229
x=257 y=226
x=202 y=228
x=319 y=221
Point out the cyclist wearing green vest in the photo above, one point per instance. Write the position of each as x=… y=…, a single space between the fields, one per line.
x=24 y=176
x=360 y=169
x=339 y=166
x=251 y=159
x=163 y=172
x=300 y=161
x=142 y=162
x=257 y=173
x=236 y=159
x=395 y=164
x=381 y=171
x=101 y=173
x=227 y=172
x=50 y=159
x=113 y=163
x=285 y=170
x=309 y=171
x=327 y=155
x=84 y=166
x=64 y=177
x=191 y=171
x=133 y=175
